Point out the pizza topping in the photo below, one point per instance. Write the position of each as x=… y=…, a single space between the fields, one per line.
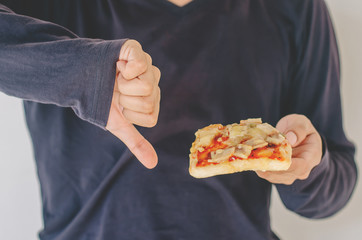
x=266 y=152
x=242 y=151
x=267 y=129
x=206 y=140
x=257 y=133
x=236 y=130
x=221 y=155
x=250 y=145
x=249 y=139
x=256 y=143
x=251 y=121
x=211 y=130
x=207 y=136
x=200 y=149
x=233 y=141
x=275 y=139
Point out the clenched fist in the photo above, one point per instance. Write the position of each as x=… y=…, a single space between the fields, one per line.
x=136 y=100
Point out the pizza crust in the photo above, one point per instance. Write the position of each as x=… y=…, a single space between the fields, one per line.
x=238 y=165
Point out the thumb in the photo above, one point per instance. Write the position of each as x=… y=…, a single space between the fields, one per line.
x=138 y=145
x=132 y=60
x=119 y=126
x=295 y=127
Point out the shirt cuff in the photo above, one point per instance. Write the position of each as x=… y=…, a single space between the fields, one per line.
x=104 y=83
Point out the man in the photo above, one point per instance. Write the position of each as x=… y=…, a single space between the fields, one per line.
x=221 y=61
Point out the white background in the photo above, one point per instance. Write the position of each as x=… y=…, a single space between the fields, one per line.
x=20 y=207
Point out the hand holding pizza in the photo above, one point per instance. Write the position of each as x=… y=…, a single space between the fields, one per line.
x=306 y=154
x=136 y=100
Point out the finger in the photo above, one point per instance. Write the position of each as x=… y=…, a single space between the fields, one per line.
x=135 y=87
x=129 y=135
x=141 y=119
x=115 y=101
x=133 y=60
x=143 y=85
x=139 y=104
x=149 y=59
x=310 y=152
x=131 y=70
x=299 y=169
x=272 y=177
x=157 y=74
x=138 y=145
x=296 y=128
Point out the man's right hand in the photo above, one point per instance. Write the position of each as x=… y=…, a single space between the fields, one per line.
x=136 y=100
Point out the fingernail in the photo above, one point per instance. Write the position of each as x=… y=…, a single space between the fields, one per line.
x=292 y=138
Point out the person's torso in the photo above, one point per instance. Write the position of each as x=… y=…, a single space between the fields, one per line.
x=221 y=61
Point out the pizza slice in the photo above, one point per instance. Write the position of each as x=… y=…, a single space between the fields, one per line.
x=250 y=145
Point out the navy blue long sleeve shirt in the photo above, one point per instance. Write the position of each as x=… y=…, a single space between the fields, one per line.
x=221 y=61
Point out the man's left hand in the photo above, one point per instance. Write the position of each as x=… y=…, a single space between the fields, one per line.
x=307 y=150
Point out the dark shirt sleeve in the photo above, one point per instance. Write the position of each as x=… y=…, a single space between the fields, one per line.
x=46 y=63
x=315 y=92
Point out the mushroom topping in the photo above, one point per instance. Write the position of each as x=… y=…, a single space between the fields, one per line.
x=275 y=139
x=256 y=143
x=207 y=136
x=236 y=130
x=221 y=155
x=267 y=129
x=242 y=151
x=251 y=120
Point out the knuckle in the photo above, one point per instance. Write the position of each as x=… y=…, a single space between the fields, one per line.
x=148 y=106
x=304 y=122
x=302 y=125
x=305 y=173
x=304 y=176
x=157 y=99
x=121 y=100
x=157 y=72
x=150 y=124
x=134 y=43
x=147 y=88
x=149 y=58
x=152 y=120
x=317 y=153
x=137 y=145
x=140 y=64
x=119 y=85
x=307 y=123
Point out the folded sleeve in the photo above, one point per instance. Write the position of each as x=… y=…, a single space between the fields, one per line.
x=315 y=92
x=46 y=63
